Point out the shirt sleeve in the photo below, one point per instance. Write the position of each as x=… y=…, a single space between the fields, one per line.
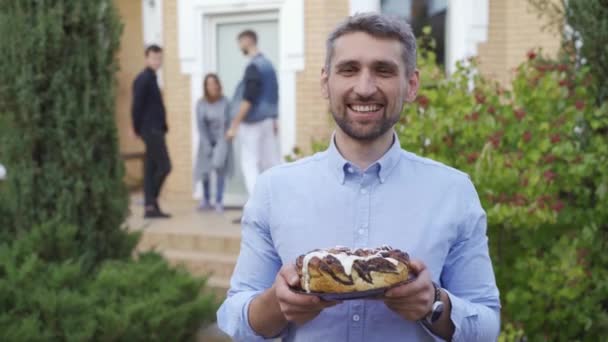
x=256 y=268
x=468 y=278
x=253 y=84
x=137 y=107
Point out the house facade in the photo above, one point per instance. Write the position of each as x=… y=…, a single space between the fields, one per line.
x=199 y=36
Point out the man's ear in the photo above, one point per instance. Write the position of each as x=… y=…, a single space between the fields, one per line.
x=413 y=83
x=324 y=85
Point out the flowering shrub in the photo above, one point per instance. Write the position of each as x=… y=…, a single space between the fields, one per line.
x=537 y=152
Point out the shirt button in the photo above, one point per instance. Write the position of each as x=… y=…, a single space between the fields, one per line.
x=363 y=191
x=356 y=318
x=361 y=231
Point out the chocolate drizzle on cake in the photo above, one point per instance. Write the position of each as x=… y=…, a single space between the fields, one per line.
x=339 y=263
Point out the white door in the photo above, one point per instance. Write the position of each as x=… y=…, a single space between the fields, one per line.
x=230 y=65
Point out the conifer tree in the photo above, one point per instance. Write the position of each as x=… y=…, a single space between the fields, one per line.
x=59 y=141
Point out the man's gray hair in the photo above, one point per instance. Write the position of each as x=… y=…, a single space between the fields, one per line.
x=381 y=26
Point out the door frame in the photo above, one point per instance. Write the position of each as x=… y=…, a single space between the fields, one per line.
x=210 y=30
x=197 y=54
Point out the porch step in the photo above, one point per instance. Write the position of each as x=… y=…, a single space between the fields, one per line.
x=218 y=265
x=208 y=241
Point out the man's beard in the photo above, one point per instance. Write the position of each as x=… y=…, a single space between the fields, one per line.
x=244 y=51
x=365 y=132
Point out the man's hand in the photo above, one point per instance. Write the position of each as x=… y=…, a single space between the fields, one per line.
x=414 y=300
x=297 y=308
x=231 y=133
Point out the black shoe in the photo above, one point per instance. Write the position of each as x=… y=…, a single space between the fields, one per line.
x=155 y=214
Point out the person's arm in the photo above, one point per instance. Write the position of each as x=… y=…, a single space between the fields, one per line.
x=468 y=277
x=469 y=294
x=256 y=268
x=253 y=89
x=137 y=106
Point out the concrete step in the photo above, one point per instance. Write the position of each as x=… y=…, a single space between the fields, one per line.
x=211 y=241
x=219 y=265
x=218 y=286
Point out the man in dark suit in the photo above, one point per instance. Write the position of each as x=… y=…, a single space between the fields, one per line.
x=150 y=124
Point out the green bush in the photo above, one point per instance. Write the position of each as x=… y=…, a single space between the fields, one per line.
x=66 y=267
x=536 y=151
x=125 y=300
x=57 y=101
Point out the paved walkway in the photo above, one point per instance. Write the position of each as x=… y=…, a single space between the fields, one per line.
x=185 y=217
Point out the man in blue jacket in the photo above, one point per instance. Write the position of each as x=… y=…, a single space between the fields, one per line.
x=150 y=124
x=256 y=103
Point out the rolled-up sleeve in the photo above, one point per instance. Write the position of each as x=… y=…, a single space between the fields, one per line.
x=256 y=268
x=468 y=277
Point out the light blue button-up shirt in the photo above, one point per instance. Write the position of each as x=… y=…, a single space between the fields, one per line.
x=425 y=208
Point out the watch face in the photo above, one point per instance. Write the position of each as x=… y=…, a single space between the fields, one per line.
x=437 y=311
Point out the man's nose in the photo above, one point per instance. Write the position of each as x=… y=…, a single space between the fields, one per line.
x=366 y=84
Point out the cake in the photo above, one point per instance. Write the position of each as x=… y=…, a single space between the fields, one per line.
x=342 y=270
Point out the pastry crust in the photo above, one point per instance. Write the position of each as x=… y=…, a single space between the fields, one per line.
x=341 y=270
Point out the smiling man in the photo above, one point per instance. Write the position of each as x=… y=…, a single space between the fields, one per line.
x=365 y=191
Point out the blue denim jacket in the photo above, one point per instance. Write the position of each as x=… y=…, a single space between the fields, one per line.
x=267 y=105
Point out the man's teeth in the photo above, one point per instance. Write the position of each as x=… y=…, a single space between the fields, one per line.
x=366 y=108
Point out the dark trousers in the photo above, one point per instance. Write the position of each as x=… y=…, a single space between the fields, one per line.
x=157 y=165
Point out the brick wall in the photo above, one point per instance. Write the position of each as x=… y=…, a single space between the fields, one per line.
x=513 y=30
x=176 y=94
x=313 y=120
x=131 y=59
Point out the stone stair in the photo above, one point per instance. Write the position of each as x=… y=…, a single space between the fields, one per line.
x=203 y=252
x=206 y=244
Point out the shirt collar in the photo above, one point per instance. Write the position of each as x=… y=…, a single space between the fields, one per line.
x=384 y=165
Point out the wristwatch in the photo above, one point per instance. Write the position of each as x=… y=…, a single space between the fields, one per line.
x=437 y=308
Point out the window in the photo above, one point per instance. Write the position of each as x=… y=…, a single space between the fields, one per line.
x=421 y=13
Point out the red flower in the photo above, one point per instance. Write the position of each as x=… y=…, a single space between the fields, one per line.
x=527 y=136
x=520 y=114
x=491 y=110
x=560 y=121
x=540 y=202
x=448 y=140
x=549 y=175
x=562 y=67
x=480 y=98
x=563 y=83
x=549 y=158
x=555 y=138
x=580 y=104
x=558 y=206
x=518 y=200
x=472 y=157
x=531 y=54
x=472 y=117
x=496 y=138
x=423 y=101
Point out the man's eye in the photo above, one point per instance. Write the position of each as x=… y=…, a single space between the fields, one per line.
x=347 y=70
x=385 y=71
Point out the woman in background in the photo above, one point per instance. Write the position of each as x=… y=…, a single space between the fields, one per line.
x=214 y=151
